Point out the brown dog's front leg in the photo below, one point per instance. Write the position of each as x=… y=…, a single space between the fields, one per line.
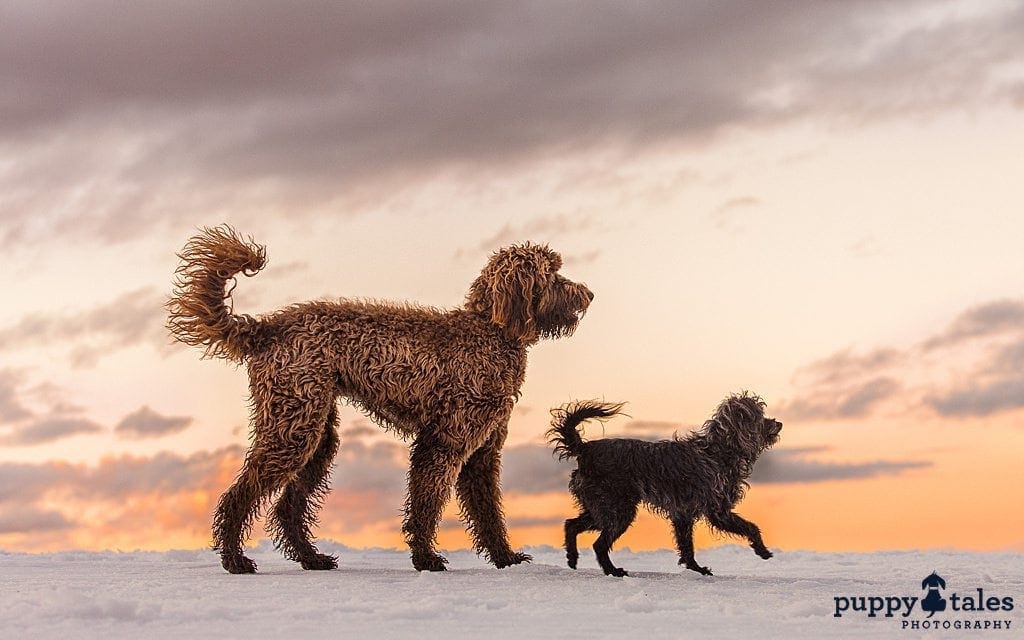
x=432 y=471
x=479 y=494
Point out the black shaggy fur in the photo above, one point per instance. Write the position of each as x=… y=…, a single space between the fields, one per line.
x=702 y=475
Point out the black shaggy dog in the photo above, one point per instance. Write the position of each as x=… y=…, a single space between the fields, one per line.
x=702 y=475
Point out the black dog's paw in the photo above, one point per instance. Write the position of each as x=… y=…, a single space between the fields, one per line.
x=617 y=572
x=320 y=562
x=693 y=566
x=571 y=559
x=514 y=558
x=763 y=553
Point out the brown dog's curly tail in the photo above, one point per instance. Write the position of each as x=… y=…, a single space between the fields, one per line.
x=565 y=422
x=198 y=315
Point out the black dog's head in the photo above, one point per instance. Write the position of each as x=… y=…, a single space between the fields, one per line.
x=739 y=422
x=521 y=290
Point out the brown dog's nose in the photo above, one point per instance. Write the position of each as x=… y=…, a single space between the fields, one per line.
x=590 y=295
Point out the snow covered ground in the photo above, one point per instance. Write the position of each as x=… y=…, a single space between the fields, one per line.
x=376 y=594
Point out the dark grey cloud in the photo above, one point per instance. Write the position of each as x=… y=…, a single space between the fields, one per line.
x=26 y=482
x=46 y=429
x=978 y=400
x=11 y=407
x=796 y=466
x=165 y=472
x=541 y=229
x=31 y=520
x=27 y=491
x=132 y=318
x=983 y=320
x=845 y=366
x=156 y=110
x=850 y=400
x=850 y=385
x=375 y=466
x=531 y=468
x=116 y=477
x=146 y=423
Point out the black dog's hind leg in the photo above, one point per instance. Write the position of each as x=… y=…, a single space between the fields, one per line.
x=574 y=527
x=611 y=529
x=682 y=527
x=731 y=522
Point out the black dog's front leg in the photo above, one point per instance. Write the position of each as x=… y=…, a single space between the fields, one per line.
x=683 y=529
x=731 y=522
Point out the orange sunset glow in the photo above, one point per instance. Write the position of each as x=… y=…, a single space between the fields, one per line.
x=817 y=202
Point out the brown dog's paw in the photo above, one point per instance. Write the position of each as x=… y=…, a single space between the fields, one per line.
x=238 y=564
x=320 y=562
x=429 y=562
x=514 y=558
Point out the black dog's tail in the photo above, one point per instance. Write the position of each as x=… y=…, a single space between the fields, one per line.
x=565 y=422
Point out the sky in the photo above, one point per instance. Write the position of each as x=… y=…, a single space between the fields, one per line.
x=819 y=202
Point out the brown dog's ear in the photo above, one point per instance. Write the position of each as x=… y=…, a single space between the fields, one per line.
x=512 y=299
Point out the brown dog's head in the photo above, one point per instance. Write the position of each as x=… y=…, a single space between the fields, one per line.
x=521 y=291
x=740 y=422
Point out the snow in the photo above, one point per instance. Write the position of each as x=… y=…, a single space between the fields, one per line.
x=375 y=593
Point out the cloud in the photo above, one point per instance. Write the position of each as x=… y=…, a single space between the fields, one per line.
x=146 y=423
x=853 y=400
x=983 y=345
x=794 y=466
x=134 y=317
x=983 y=320
x=21 y=426
x=540 y=230
x=726 y=215
x=49 y=429
x=378 y=467
x=11 y=408
x=657 y=428
x=31 y=520
x=532 y=469
x=980 y=399
x=118 y=124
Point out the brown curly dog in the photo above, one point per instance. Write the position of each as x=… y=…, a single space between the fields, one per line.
x=447 y=379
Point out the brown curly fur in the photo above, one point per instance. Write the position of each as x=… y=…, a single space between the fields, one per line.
x=447 y=379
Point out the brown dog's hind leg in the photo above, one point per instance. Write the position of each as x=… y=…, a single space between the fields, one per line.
x=232 y=521
x=479 y=493
x=286 y=434
x=433 y=468
x=294 y=515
